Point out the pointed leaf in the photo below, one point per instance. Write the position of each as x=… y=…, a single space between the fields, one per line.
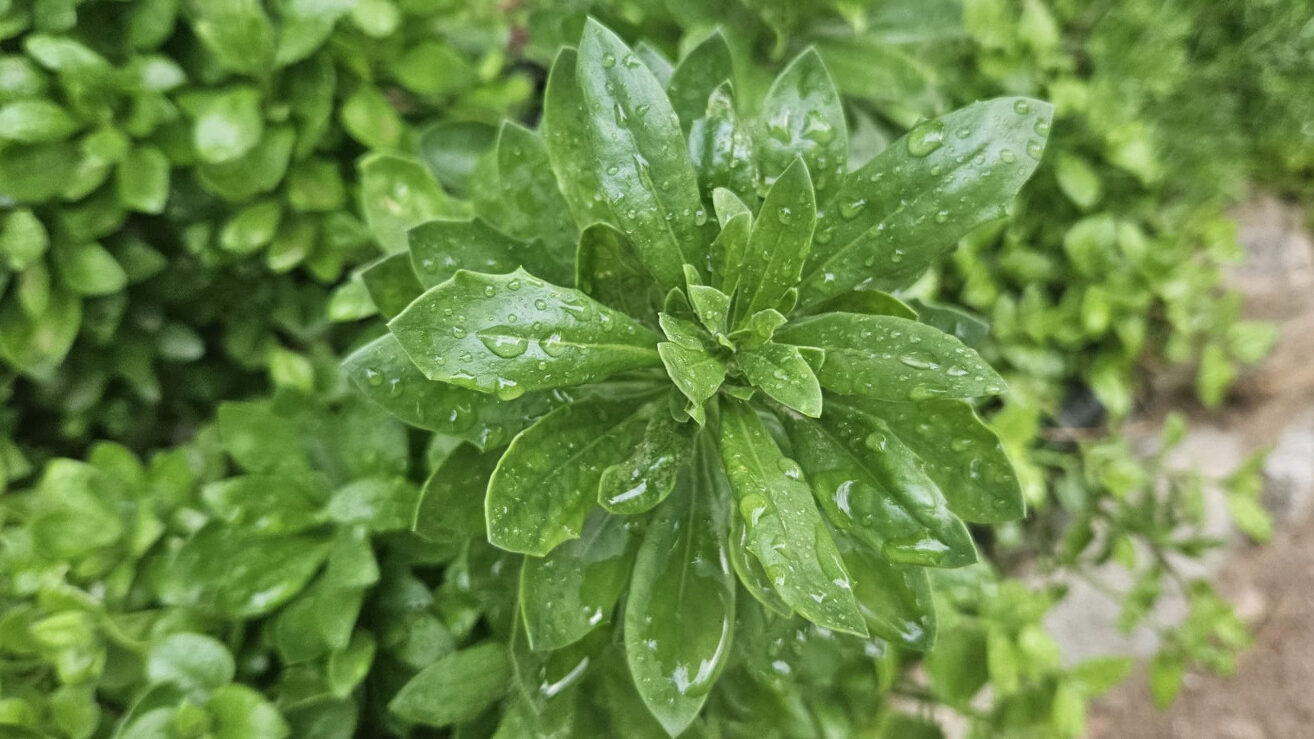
x=879 y=495
x=396 y=194
x=548 y=478
x=697 y=373
x=785 y=531
x=639 y=157
x=565 y=134
x=895 y=600
x=391 y=284
x=383 y=372
x=913 y=201
x=778 y=244
x=608 y=270
x=728 y=250
x=959 y=452
x=440 y=248
x=456 y=688
x=572 y=590
x=700 y=72
x=645 y=479
x=869 y=302
x=891 y=358
x=531 y=205
x=681 y=609
x=721 y=147
x=512 y=333
x=805 y=118
x=748 y=568
x=780 y=371
x=451 y=503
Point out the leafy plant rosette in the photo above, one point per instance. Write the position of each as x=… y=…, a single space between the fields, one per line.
x=669 y=338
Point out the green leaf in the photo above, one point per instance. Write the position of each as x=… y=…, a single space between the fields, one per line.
x=193 y=662
x=260 y=439
x=440 y=248
x=695 y=372
x=890 y=358
x=239 y=712
x=785 y=532
x=88 y=269
x=565 y=126
x=383 y=372
x=226 y=123
x=656 y=61
x=648 y=475
x=572 y=590
x=878 y=494
x=37 y=345
x=700 y=72
x=548 y=478
x=379 y=504
x=238 y=33
x=258 y=171
x=509 y=334
x=234 y=574
x=143 y=180
x=869 y=302
x=895 y=600
x=396 y=194
x=371 y=119
x=456 y=688
x=966 y=327
x=391 y=283
x=38 y=172
x=1166 y=672
x=730 y=246
x=956 y=450
x=804 y=118
x=265 y=504
x=608 y=270
x=453 y=148
x=913 y=201
x=778 y=244
x=639 y=157
x=746 y=565
x=680 y=614
x=35 y=121
x=710 y=305
x=531 y=205
x=721 y=148
x=23 y=239
x=451 y=504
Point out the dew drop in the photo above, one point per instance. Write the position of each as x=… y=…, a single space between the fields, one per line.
x=926 y=138
x=608 y=60
x=458 y=332
x=506 y=347
x=1021 y=107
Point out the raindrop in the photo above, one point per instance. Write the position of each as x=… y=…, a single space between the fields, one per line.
x=785 y=215
x=1042 y=127
x=919 y=360
x=506 y=347
x=490 y=291
x=541 y=304
x=850 y=209
x=1021 y=107
x=513 y=285
x=942 y=216
x=458 y=332
x=1007 y=156
x=1035 y=149
x=553 y=346
x=608 y=60
x=926 y=138
x=373 y=377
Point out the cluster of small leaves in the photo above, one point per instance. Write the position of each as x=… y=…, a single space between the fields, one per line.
x=689 y=406
x=220 y=588
x=156 y=154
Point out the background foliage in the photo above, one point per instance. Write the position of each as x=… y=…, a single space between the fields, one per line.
x=200 y=204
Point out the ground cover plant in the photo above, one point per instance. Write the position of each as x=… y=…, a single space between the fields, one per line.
x=735 y=357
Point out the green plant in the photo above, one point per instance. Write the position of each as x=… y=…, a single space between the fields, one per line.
x=781 y=371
